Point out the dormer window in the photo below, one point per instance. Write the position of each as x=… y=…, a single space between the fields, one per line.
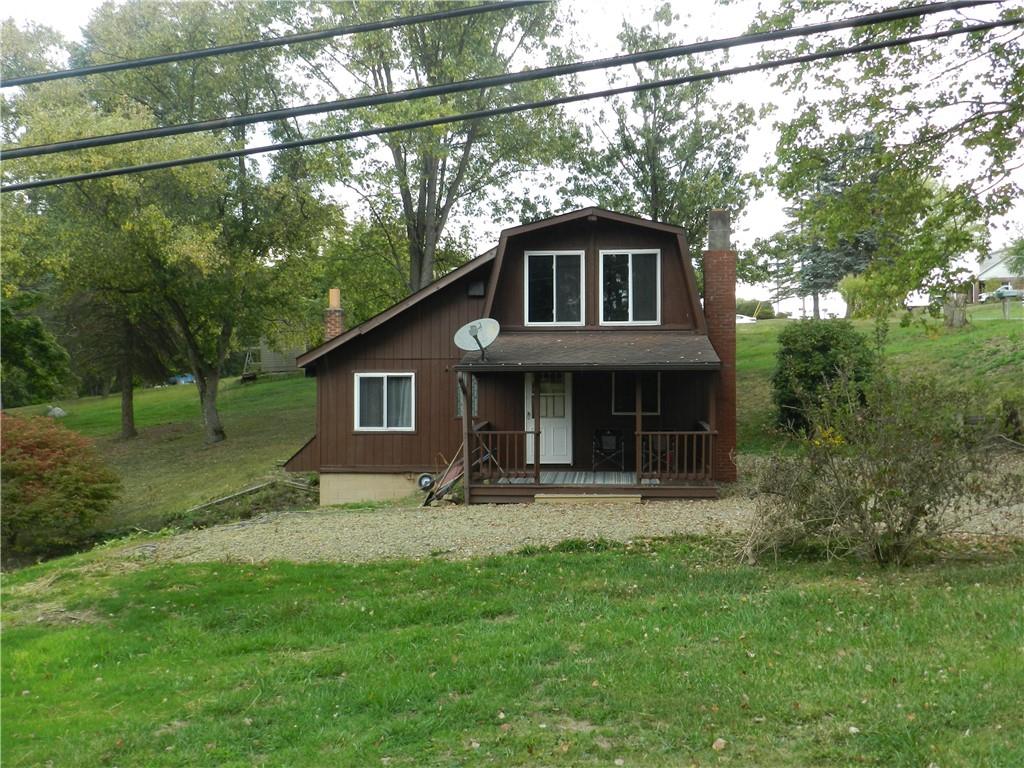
x=630 y=287
x=554 y=288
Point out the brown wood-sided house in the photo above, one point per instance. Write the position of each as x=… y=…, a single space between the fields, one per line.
x=608 y=376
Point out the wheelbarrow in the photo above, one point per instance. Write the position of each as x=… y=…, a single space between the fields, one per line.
x=436 y=486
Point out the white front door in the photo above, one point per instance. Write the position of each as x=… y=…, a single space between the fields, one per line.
x=555 y=417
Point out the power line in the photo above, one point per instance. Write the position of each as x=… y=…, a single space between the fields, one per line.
x=305 y=37
x=506 y=110
x=487 y=82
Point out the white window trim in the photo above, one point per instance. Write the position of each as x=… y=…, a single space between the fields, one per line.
x=657 y=276
x=385 y=375
x=633 y=413
x=554 y=288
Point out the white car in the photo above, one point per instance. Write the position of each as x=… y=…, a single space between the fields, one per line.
x=745 y=319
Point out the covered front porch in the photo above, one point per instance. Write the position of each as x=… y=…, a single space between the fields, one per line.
x=639 y=422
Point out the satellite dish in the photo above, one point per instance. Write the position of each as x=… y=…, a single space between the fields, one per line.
x=477 y=334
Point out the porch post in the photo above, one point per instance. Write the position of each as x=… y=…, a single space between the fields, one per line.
x=639 y=426
x=536 y=429
x=467 y=417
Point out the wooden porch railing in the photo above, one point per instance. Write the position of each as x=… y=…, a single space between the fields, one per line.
x=501 y=454
x=666 y=456
x=675 y=456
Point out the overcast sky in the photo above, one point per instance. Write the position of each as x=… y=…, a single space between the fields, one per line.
x=597 y=22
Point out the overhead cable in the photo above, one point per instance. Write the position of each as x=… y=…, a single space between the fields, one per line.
x=560 y=70
x=251 y=45
x=510 y=109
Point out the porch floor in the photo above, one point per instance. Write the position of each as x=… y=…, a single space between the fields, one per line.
x=577 y=477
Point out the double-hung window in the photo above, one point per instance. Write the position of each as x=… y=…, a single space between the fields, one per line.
x=385 y=402
x=630 y=287
x=554 y=287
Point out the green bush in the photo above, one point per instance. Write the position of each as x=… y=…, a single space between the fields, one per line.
x=885 y=466
x=762 y=310
x=1011 y=417
x=811 y=354
x=54 y=486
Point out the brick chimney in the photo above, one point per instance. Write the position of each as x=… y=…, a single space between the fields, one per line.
x=334 y=315
x=720 y=313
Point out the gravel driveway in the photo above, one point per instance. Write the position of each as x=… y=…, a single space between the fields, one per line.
x=451 y=531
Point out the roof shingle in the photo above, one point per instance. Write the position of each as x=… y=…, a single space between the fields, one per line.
x=620 y=350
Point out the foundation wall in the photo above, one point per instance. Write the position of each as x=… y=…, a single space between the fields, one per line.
x=347 y=487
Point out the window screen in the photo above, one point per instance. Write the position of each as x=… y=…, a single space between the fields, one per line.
x=629 y=287
x=384 y=401
x=554 y=284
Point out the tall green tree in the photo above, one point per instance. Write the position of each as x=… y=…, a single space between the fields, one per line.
x=669 y=154
x=219 y=248
x=947 y=131
x=820 y=241
x=436 y=174
x=33 y=365
x=950 y=108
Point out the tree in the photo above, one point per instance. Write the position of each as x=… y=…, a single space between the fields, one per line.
x=858 y=208
x=1015 y=262
x=369 y=259
x=33 y=366
x=112 y=341
x=951 y=108
x=673 y=153
x=439 y=172
x=219 y=248
x=947 y=127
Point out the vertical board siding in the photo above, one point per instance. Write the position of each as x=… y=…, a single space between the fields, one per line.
x=592 y=238
x=419 y=340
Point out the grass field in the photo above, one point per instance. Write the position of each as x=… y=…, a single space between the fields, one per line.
x=589 y=655
x=988 y=352
x=168 y=469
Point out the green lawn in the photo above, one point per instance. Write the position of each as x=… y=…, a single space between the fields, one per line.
x=988 y=352
x=168 y=468
x=645 y=655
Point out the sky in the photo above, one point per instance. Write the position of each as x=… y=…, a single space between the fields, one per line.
x=596 y=24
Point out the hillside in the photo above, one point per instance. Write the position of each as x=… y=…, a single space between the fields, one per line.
x=168 y=468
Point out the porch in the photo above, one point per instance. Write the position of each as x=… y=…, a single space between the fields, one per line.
x=600 y=412
x=672 y=464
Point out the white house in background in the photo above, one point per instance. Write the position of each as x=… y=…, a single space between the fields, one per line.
x=994 y=270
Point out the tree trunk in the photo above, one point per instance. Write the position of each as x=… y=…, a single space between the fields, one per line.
x=125 y=381
x=954 y=310
x=207 y=382
x=817 y=305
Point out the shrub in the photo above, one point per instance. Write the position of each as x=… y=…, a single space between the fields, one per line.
x=1011 y=417
x=762 y=310
x=811 y=354
x=54 y=485
x=886 y=465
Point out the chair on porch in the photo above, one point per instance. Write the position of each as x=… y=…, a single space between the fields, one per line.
x=609 y=449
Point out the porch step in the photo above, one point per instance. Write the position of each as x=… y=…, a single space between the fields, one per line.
x=583 y=498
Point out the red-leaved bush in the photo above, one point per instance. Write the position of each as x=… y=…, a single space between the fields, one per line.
x=54 y=485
